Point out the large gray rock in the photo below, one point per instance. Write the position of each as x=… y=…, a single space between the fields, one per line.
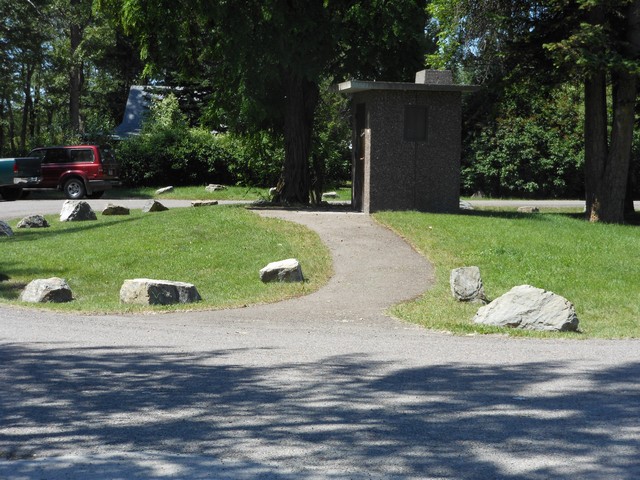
x=5 y=230
x=153 y=206
x=33 y=221
x=76 y=211
x=283 y=271
x=145 y=291
x=529 y=308
x=112 y=209
x=466 y=285
x=44 y=290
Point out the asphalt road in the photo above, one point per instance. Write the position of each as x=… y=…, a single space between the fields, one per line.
x=322 y=387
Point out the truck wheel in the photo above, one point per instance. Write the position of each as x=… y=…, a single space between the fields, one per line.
x=10 y=194
x=74 y=189
x=96 y=194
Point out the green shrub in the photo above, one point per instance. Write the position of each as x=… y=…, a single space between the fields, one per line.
x=169 y=152
x=254 y=159
x=531 y=147
x=526 y=159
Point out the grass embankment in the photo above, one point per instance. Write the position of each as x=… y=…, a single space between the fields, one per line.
x=193 y=193
x=595 y=266
x=179 y=193
x=237 y=193
x=218 y=249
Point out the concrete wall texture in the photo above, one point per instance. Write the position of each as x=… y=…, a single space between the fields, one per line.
x=404 y=169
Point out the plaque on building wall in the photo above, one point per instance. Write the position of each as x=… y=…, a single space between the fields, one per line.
x=415 y=123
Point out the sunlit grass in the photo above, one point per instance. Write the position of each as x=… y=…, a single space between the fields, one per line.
x=231 y=192
x=199 y=193
x=218 y=249
x=595 y=266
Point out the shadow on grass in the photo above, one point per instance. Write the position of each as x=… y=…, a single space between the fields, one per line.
x=11 y=289
x=631 y=219
x=31 y=234
x=343 y=414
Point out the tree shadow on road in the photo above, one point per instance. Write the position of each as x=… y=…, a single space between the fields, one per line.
x=208 y=415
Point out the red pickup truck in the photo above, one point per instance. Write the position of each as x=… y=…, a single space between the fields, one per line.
x=78 y=170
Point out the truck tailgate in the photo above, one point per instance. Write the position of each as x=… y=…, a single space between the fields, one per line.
x=28 y=170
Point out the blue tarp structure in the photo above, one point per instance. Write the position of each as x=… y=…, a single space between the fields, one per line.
x=138 y=105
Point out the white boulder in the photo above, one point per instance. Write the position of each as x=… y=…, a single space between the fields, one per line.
x=283 y=271
x=529 y=308
x=76 y=211
x=146 y=291
x=44 y=290
x=466 y=285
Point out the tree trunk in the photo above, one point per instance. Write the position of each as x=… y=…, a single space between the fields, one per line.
x=2 y=137
x=607 y=169
x=300 y=103
x=629 y=208
x=595 y=139
x=12 y=132
x=616 y=172
x=75 y=74
x=27 y=108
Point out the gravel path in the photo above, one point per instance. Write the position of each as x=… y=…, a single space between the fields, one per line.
x=324 y=386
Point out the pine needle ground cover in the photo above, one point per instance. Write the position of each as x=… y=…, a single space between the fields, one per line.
x=595 y=266
x=218 y=249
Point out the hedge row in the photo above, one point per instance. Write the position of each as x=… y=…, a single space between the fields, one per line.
x=193 y=156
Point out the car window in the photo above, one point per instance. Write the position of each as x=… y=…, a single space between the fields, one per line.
x=37 y=153
x=107 y=155
x=55 y=155
x=84 y=155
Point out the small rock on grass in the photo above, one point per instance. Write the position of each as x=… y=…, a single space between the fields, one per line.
x=76 y=211
x=528 y=209
x=112 y=209
x=153 y=206
x=43 y=290
x=214 y=187
x=33 y=221
x=146 y=291
x=204 y=203
x=466 y=285
x=5 y=230
x=283 y=271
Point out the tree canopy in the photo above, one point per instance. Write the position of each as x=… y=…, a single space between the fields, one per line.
x=264 y=60
x=551 y=42
x=259 y=68
x=65 y=71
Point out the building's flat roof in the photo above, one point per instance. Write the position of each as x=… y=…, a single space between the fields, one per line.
x=356 y=86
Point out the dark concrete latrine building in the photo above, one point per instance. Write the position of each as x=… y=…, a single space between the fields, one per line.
x=406 y=143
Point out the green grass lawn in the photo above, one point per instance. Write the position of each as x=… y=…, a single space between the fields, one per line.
x=218 y=249
x=595 y=266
